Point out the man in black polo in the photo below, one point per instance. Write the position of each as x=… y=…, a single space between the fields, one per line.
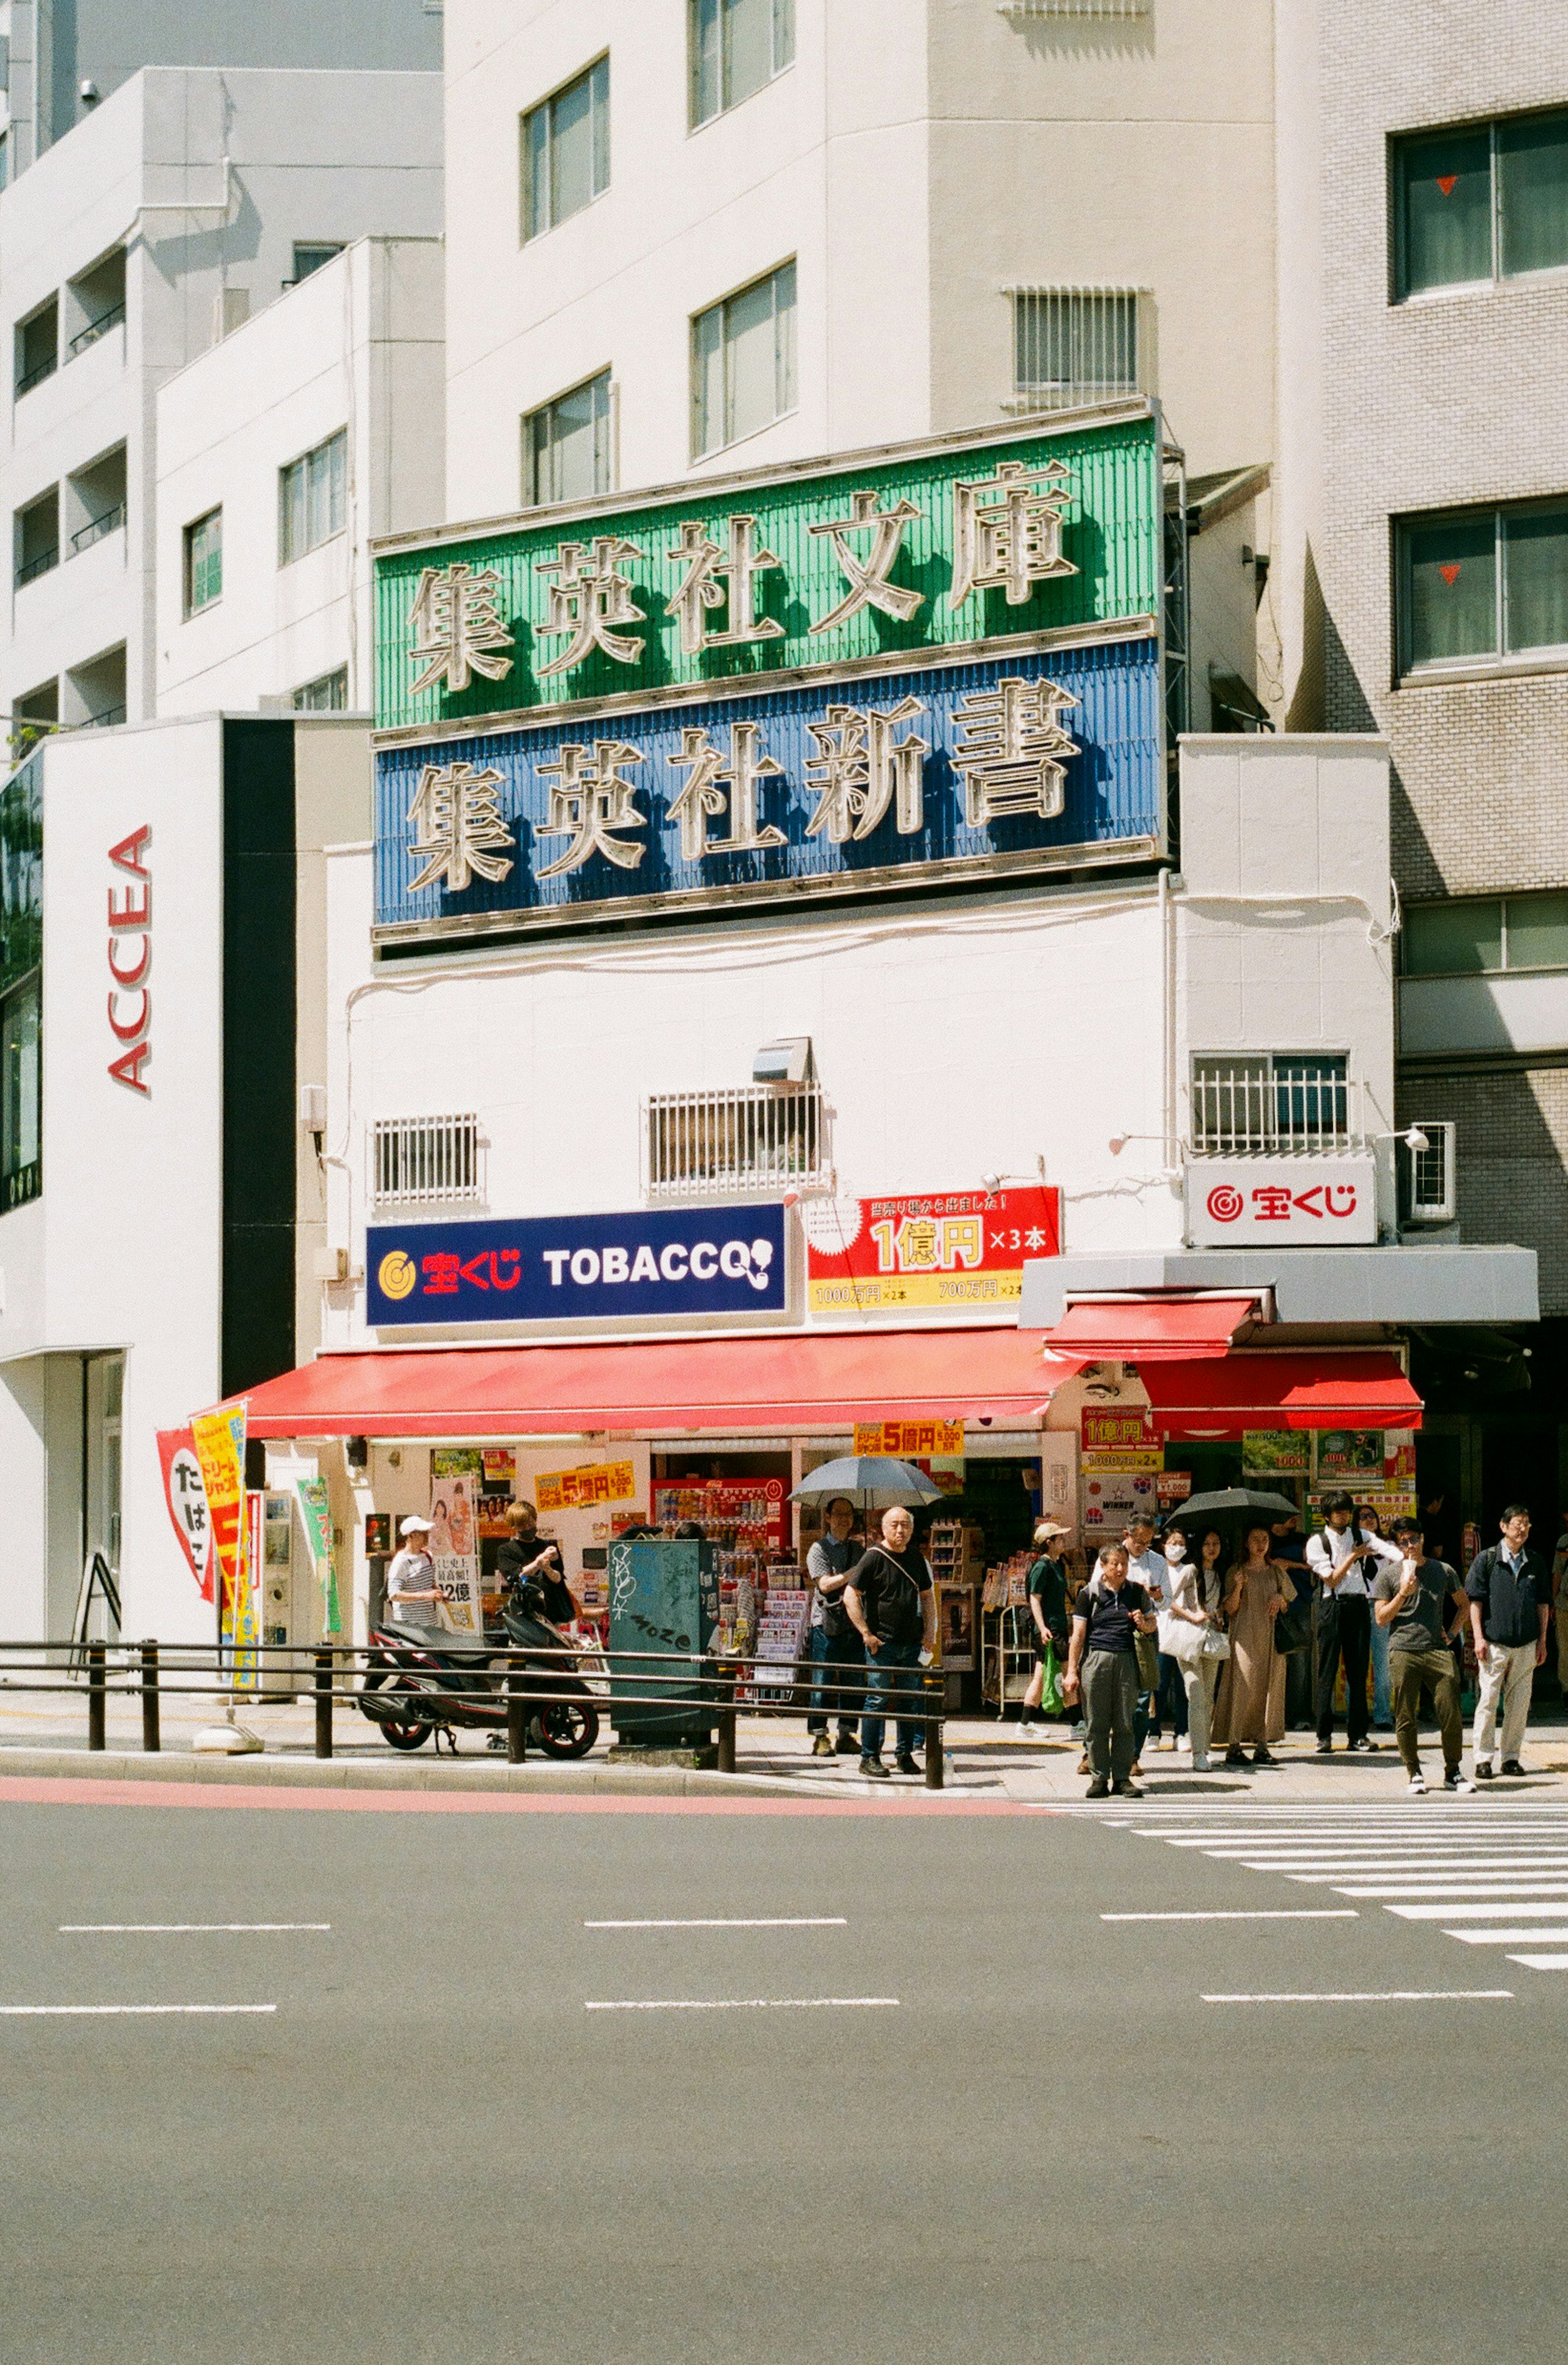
x=1101 y=1663
x=892 y=1604
x=1509 y=1588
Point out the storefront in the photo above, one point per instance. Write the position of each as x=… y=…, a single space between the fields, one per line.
x=608 y=1436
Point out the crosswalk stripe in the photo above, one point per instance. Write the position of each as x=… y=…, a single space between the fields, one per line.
x=1478 y=1875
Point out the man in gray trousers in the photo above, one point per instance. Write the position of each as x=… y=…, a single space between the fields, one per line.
x=1101 y=1663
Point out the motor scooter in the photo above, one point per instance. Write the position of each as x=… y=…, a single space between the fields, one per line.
x=416 y=1684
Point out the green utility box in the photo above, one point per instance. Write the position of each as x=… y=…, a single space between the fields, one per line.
x=664 y=1596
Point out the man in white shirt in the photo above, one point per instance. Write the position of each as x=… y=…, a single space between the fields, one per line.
x=1342 y=1619
x=411 y=1594
x=1147 y=1567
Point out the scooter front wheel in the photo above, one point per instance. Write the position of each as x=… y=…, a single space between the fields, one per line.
x=406 y=1736
x=568 y=1728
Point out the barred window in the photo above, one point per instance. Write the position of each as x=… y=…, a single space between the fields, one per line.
x=1261 y=1102
x=1074 y=344
x=753 y=1138
x=427 y=1161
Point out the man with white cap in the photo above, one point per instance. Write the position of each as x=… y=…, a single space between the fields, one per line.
x=1046 y=1584
x=408 y=1580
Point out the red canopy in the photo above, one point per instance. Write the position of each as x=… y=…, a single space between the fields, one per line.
x=1149 y=1329
x=1205 y=1399
x=824 y=1381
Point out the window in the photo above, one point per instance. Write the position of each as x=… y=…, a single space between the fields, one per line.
x=328 y=694
x=742 y=362
x=312 y=498
x=309 y=258
x=427 y=1161
x=1252 y=1103
x=736 y=46
x=94 y=303
x=1483 y=583
x=566 y=151
x=21 y=1082
x=36 y=536
x=37 y=346
x=1485 y=935
x=1074 y=344
x=752 y=1138
x=565 y=446
x=1487 y=201
x=204 y=561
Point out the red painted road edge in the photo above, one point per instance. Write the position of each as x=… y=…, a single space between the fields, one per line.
x=66 y=1790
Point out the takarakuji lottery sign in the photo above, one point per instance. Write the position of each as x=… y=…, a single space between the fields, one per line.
x=941 y=660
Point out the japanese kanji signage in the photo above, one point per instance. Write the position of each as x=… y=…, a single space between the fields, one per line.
x=707 y=1260
x=941 y=544
x=953 y=1251
x=580 y=1489
x=1297 y=1203
x=835 y=784
x=903 y=1438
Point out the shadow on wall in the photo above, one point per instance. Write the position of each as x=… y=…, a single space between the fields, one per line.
x=1511 y=1147
x=1112 y=28
x=1329 y=696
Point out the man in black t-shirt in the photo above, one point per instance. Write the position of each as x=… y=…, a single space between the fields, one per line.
x=891 y=1604
x=1101 y=1663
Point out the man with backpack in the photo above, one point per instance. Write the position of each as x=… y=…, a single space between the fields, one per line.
x=1510 y=1591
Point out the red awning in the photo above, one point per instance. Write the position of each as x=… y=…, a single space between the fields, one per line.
x=766 y=1384
x=1281 y=1391
x=1149 y=1329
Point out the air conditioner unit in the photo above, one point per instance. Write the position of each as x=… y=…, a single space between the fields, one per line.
x=1432 y=1185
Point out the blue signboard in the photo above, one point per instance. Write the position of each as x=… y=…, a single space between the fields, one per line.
x=1034 y=757
x=579 y=1268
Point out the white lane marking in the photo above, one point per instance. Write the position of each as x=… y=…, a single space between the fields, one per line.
x=131 y=2010
x=754 y=2003
x=1348 y=1866
x=1493 y=1888
x=174 y=1929
x=1541 y=1962
x=1502 y=1937
x=1303 y=1913
x=1430 y=1852
x=1385 y=1995
x=770 y=1922
x=1489 y=1867
x=1546 y=1911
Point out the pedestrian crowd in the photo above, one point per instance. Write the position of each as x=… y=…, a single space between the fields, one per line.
x=1210 y=1638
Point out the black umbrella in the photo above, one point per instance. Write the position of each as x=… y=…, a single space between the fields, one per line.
x=1234 y=1499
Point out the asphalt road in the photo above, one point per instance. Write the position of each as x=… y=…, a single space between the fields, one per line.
x=1050 y=2145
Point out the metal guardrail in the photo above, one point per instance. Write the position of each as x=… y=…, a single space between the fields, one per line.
x=152 y=1672
x=34 y=567
x=95 y=329
x=97 y=529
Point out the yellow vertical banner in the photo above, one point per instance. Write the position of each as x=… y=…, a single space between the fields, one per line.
x=220 y=1441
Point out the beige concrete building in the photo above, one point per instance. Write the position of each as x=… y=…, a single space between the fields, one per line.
x=684 y=239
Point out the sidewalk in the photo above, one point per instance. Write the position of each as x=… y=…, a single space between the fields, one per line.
x=49 y=1735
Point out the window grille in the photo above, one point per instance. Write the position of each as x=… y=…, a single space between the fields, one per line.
x=426 y=1161
x=1268 y=1104
x=1020 y=10
x=1433 y=1192
x=753 y=1138
x=1073 y=345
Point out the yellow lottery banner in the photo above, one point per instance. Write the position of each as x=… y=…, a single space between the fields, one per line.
x=595 y=1482
x=220 y=1441
x=899 y=1438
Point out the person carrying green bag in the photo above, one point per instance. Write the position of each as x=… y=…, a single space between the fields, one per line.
x=1047 y=1607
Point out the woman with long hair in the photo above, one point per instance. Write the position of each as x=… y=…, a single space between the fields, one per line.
x=1251 y=1708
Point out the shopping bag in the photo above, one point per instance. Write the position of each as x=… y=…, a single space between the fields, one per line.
x=1051 y=1700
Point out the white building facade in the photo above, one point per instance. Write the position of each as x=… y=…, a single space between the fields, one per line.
x=187 y=201
x=314 y=427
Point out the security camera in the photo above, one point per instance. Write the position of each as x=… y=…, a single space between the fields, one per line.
x=88 y=92
x=991 y=1184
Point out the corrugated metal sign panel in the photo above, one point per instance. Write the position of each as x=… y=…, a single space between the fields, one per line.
x=639 y=765
x=1111 y=502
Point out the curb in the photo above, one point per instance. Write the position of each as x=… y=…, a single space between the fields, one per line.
x=262 y=1772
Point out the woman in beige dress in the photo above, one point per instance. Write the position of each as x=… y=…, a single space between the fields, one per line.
x=1252 y=1706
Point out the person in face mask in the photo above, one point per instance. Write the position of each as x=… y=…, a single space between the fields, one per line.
x=1183 y=1623
x=1158 y=1571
